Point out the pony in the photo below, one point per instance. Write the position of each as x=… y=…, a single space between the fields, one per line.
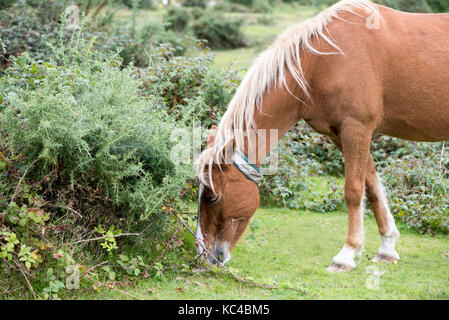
x=356 y=70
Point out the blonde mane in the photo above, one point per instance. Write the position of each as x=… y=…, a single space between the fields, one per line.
x=270 y=69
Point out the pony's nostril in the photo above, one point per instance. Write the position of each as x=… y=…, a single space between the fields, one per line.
x=220 y=256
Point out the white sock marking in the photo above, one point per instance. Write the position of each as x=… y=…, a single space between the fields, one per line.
x=388 y=240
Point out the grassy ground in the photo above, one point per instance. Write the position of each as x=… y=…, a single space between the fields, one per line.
x=293 y=248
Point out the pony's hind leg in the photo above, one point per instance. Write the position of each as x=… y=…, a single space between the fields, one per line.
x=385 y=222
x=355 y=142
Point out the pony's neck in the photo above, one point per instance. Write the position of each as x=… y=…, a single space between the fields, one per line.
x=279 y=112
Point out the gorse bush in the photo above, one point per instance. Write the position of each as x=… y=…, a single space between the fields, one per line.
x=86 y=125
x=80 y=147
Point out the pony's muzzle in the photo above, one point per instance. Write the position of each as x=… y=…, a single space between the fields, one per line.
x=221 y=253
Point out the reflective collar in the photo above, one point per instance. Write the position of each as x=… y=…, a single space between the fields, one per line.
x=249 y=170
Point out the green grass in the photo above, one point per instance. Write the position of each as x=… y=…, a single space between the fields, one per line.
x=294 y=248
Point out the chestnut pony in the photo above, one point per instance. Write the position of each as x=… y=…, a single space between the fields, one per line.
x=355 y=70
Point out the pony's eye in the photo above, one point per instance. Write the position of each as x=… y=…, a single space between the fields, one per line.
x=213 y=198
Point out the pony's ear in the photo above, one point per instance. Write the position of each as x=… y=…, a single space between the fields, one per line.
x=211 y=136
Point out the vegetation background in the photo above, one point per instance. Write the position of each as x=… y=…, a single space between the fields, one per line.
x=88 y=113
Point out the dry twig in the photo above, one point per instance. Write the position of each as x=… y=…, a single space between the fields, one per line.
x=21 y=179
x=161 y=254
x=105 y=237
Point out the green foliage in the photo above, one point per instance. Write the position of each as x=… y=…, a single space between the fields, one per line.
x=194 y=3
x=31 y=29
x=265 y=20
x=258 y=6
x=303 y=153
x=132 y=266
x=109 y=243
x=403 y=5
x=177 y=18
x=418 y=186
x=262 y=6
x=4 y=4
x=86 y=140
x=439 y=5
x=140 y=4
x=138 y=48
x=191 y=85
x=407 y=5
x=231 y=6
x=25 y=28
x=243 y=2
x=219 y=32
x=84 y=121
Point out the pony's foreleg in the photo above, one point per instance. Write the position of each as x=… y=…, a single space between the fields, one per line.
x=355 y=142
x=385 y=222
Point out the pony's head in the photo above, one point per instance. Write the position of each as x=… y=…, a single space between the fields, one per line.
x=228 y=197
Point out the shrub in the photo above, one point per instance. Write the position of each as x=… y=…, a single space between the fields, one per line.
x=265 y=20
x=177 y=18
x=407 y=5
x=80 y=148
x=181 y=81
x=231 y=6
x=439 y=5
x=244 y=2
x=403 y=5
x=31 y=29
x=5 y=4
x=140 y=4
x=218 y=31
x=85 y=123
x=303 y=153
x=139 y=47
x=194 y=3
x=25 y=28
x=262 y=6
x=418 y=187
